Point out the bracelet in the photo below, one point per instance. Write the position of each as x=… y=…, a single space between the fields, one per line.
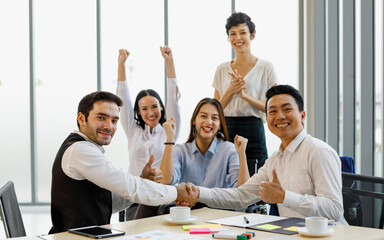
x=169 y=143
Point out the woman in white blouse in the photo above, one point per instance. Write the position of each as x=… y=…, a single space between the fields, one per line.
x=240 y=86
x=142 y=122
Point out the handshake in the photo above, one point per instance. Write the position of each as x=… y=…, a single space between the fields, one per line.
x=187 y=194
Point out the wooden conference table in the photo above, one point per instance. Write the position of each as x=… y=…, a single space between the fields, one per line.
x=206 y=214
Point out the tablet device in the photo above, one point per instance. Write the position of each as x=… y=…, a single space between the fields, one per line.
x=96 y=232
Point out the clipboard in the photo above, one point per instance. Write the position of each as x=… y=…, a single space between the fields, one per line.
x=286 y=226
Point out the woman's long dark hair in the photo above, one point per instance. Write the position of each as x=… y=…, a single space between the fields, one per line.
x=223 y=125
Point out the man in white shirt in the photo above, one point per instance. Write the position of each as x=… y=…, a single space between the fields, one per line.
x=86 y=187
x=303 y=177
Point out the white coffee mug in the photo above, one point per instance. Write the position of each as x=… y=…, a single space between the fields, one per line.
x=180 y=213
x=318 y=224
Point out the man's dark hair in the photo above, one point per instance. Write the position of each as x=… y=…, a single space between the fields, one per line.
x=86 y=104
x=285 y=89
x=240 y=18
x=140 y=95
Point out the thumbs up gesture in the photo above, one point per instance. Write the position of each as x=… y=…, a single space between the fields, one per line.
x=151 y=173
x=272 y=192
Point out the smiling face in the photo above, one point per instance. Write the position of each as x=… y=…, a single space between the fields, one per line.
x=102 y=121
x=284 y=118
x=150 y=111
x=207 y=123
x=240 y=37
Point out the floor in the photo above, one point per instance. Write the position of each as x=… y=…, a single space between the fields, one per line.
x=37 y=220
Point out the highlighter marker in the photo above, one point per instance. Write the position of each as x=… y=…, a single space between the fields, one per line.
x=229 y=236
x=248 y=235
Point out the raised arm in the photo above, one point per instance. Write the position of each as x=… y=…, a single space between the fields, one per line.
x=173 y=93
x=166 y=52
x=127 y=113
x=166 y=165
x=241 y=144
x=123 y=55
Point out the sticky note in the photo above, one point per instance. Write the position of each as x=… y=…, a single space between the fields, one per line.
x=292 y=228
x=268 y=226
x=211 y=225
x=199 y=231
x=187 y=227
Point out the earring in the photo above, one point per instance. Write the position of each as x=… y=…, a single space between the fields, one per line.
x=219 y=134
x=194 y=131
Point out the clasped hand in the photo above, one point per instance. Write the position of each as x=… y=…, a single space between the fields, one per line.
x=187 y=194
x=170 y=129
x=237 y=84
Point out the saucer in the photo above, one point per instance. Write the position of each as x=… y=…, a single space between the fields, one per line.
x=304 y=231
x=186 y=221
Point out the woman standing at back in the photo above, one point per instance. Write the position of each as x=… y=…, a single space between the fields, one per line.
x=240 y=86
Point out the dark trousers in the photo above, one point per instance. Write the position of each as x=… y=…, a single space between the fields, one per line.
x=251 y=128
x=129 y=213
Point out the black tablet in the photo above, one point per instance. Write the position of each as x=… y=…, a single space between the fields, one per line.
x=96 y=232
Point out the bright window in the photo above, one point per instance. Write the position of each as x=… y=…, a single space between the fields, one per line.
x=14 y=97
x=65 y=70
x=137 y=26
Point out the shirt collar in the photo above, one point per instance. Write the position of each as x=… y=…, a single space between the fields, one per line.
x=89 y=140
x=211 y=149
x=156 y=129
x=294 y=144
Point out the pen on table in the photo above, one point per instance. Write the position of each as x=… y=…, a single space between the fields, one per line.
x=246 y=220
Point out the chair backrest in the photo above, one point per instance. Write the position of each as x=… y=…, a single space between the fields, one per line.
x=369 y=190
x=10 y=212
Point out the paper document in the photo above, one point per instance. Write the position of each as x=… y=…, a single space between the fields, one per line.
x=161 y=235
x=253 y=218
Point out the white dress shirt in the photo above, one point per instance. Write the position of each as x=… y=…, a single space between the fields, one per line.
x=309 y=171
x=86 y=160
x=257 y=81
x=141 y=142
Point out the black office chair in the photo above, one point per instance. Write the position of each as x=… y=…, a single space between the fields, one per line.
x=10 y=213
x=363 y=198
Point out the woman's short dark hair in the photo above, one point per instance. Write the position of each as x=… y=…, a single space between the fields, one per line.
x=148 y=92
x=240 y=18
x=223 y=125
x=86 y=103
x=285 y=89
